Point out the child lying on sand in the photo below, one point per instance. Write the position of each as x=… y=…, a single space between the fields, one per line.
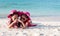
x=14 y=22
x=25 y=18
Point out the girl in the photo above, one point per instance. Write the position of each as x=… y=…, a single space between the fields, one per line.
x=25 y=18
x=14 y=21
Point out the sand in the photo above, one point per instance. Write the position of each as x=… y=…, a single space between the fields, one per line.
x=43 y=28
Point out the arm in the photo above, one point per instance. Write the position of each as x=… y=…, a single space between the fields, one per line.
x=11 y=24
x=22 y=23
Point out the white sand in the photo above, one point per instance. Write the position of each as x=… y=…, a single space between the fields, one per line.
x=43 y=28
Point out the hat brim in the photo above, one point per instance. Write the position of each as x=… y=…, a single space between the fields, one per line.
x=10 y=15
x=25 y=14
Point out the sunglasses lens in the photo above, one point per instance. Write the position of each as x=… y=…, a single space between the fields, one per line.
x=23 y=18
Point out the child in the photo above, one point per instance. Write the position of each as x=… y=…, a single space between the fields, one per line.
x=25 y=18
x=14 y=21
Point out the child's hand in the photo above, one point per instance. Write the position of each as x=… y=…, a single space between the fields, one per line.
x=19 y=20
x=16 y=20
x=22 y=23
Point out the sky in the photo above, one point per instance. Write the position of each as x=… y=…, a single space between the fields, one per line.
x=35 y=7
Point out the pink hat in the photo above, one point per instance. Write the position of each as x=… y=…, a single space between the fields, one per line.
x=20 y=13
x=12 y=12
x=26 y=13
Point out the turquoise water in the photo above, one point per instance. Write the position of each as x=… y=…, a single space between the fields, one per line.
x=35 y=7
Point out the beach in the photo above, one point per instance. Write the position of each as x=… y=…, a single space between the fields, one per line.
x=46 y=26
x=44 y=13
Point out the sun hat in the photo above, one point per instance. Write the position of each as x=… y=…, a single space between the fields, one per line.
x=12 y=13
x=27 y=14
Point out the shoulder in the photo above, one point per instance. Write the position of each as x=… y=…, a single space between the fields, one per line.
x=9 y=20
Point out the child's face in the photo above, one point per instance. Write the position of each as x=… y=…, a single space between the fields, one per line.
x=14 y=17
x=24 y=18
